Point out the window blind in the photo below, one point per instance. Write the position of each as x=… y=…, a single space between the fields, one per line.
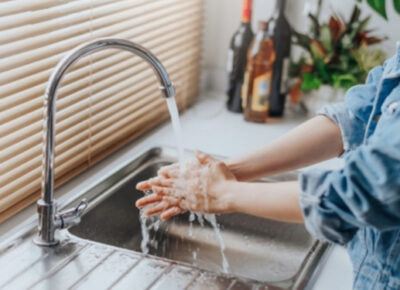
x=106 y=99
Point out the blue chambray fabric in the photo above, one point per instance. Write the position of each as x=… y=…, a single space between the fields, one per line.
x=359 y=205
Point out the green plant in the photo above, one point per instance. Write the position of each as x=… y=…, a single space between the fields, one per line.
x=336 y=53
x=380 y=6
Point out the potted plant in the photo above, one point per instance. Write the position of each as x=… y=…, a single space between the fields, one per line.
x=337 y=55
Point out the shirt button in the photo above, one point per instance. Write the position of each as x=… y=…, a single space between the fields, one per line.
x=392 y=107
x=377 y=118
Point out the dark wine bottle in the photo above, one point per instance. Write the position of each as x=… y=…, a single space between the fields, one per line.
x=236 y=64
x=282 y=32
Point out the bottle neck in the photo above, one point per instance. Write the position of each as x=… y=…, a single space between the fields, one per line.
x=246 y=11
x=279 y=8
x=263 y=34
x=259 y=38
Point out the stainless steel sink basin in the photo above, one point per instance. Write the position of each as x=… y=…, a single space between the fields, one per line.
x=273 y=253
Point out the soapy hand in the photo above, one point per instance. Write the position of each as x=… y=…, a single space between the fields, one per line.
x=199 y=188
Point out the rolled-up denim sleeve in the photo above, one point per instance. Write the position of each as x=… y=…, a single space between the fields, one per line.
x=352 y=128
x=351 y=116
x=364 y=193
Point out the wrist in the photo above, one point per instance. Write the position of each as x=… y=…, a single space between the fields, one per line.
x=230 y=191
x=233 y=167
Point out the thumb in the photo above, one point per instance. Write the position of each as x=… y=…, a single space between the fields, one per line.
x=203 y=158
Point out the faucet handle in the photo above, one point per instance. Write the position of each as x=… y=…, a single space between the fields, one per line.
x=72 y=216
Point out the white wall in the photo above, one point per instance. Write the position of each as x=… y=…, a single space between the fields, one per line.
x=223 y=17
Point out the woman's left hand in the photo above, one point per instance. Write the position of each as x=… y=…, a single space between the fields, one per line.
x=199 y=188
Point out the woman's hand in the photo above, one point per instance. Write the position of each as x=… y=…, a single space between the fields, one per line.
x=201 y=187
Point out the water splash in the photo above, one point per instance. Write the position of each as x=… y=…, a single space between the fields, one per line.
x=148 y=224
x=211 y=218
x=192 y=217
x=145 y=233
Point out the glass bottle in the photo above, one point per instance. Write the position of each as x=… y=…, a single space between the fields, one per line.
x=256 y=89
x=236 y=63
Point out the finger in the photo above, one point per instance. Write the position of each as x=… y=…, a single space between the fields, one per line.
x=148 y=200
x=163 y=182
x=171 y=200
x=169 y=213
x=164 y=171
x=203 y=158
x=157 y=208
x=154 y=181
x=172 y=173
x=147 y=184
x=162 y=190
x=144 y=185
x=184 y=204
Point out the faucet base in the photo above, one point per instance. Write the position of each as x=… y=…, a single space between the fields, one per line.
x=42 y=243
x=47 y=224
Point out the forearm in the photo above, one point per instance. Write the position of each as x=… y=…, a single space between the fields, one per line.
x=314 y=141
x=277 y=201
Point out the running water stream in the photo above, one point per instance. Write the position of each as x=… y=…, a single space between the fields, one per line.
x=176 y=126
x=147 y=224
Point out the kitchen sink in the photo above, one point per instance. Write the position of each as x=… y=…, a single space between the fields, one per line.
x=273 y=253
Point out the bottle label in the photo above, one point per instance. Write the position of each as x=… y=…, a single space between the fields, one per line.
x=229 y=64
x=245 y=89
x=261 y=90
x=285 y=76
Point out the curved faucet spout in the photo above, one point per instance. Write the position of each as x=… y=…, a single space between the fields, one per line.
x=49 y=219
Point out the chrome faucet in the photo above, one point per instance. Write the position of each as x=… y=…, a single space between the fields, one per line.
x=50 y=220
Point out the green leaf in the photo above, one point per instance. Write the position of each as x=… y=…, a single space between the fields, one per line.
x=321 y=69
x=396 y=5
x=379 y=6
x=364 y=23
x=310 y=82
x=355 y=16
x=345 y=81
x=326 y=38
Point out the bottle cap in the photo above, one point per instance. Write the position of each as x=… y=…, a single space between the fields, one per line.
x=246 y=11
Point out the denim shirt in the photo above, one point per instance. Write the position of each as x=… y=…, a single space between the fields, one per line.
x=359 y=205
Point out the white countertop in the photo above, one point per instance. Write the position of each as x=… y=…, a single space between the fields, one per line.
x=208 y=126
